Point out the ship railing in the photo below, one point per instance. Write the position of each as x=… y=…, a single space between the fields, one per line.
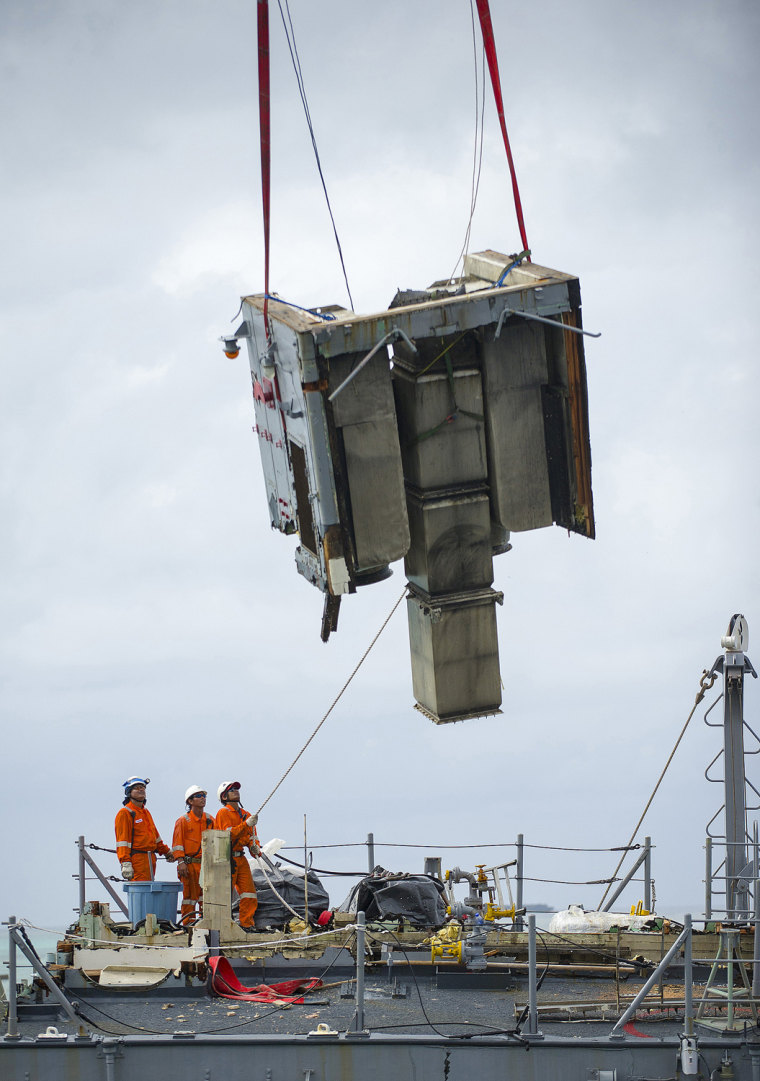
x=17 y=940
x=718 y=884
x=85 y=861
x=514 y=882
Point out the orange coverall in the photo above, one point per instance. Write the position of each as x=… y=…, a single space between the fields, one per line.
x=186 y=845
x=233 y=818
x=138 y=840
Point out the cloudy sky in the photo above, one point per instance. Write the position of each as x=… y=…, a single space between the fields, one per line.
x=152 y=622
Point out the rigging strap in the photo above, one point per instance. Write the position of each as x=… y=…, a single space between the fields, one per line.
x=489 y=44
x=262 y=21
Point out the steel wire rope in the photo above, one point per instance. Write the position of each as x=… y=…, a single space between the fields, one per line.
x=280 y=898
x=477 y=153
x=293 y=49
x=444 y=1035
x=337 y=698
x=705 y=683
x=595 y=949
x=483 y=844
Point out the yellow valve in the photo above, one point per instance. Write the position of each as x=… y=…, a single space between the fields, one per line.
x=446 y=951
x=493 y=912
x=445 y=941
x=481 y=873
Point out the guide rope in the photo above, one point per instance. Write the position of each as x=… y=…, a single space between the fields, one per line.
x=335 y=700
x=705 y=683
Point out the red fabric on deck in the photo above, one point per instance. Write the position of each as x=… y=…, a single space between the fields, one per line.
x=225 y=983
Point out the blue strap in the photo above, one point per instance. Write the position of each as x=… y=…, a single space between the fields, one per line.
x=516 y=262
x=320 y=315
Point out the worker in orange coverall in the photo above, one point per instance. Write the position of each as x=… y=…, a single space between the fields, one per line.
x=186 y=849
x=242 y=827
x=137 y=839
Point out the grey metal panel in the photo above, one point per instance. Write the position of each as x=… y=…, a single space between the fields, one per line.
x=376 y=487
x=375 y=1057
x=514 y=371
x=453 y=454
x=455 y=655
x=365 y=414
x=451 y=542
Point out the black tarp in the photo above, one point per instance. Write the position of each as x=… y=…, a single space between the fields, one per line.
x=289 y=884
x=383 y=895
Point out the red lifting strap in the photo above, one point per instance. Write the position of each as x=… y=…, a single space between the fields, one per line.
x=262 y=11
x=225 y=983
x=489 y=45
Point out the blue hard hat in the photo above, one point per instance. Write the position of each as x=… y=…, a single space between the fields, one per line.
x=132 y=781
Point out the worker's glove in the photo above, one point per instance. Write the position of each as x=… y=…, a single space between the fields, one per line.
x=182 y=870
x=252 y=820
x=254 y=849
x=169 y=857
x=127 y=872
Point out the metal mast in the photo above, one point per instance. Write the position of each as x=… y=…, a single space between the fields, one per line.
x=733 y=665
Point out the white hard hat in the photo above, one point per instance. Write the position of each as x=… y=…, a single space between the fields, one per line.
x=224 y=786
x=131 y=781
x=194 y=790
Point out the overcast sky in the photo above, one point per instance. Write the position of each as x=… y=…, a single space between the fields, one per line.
x=152 y=623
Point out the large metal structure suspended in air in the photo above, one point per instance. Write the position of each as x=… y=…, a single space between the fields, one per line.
x=475 y=427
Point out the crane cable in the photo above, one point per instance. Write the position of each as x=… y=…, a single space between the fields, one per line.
x=290 y=36
x=489 y=43
x=262 y=22
x=477 y=154
x=335 y=700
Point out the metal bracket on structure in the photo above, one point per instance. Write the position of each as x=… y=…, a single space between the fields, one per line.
x=540 y=319
x=392 y=335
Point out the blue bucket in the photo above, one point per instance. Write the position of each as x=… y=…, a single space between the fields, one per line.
x=159 y=898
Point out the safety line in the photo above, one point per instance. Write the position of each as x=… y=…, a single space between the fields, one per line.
x=489 y=43
x=705 y=683
x=121 y=943
x=335 y=700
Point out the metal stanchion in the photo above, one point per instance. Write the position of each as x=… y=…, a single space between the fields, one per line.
x=82 y=866
x=519 y=924
x=688 y=988
x=532 y=1027
x=13 y=1033
x=358 y=1021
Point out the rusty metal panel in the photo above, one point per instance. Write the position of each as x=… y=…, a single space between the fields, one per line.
x=581 y=444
